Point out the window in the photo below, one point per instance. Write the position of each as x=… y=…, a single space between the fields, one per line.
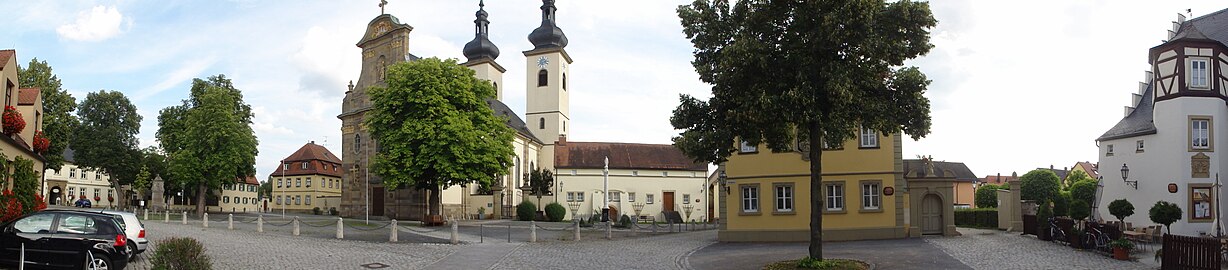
x=542 y=77
x=571 y=196
x=298 y=182
x=541 y=123
x=631 y=196
x=784 y=197
x=298 y=199
x=357 y=142
x=97 y=192
x=616 y=196
x=750 y=199
x=244 y=200
x=278 y=199
x=870 y=198
x=1139 y=146
x=308 y=181
x=307 y=201
x=835 y=197
x=40 y=223
x=564 y=82
x=285 y=167
x=580 y=196
x=225 y=199
x=748 y=148
x=97 y=176
x=1108 y=150
x=304 y=165
x=686 y=198
x=869 y=138
x=1199 y=73
x=635 y=173
x=278 y=182
x=72 y=173
x=110 y=193
x=648 y=198
x=1200 y=133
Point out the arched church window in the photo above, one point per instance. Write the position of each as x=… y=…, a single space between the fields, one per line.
x=496 y=86
x=564 y=82
x=542 y=77
x=357 y=142
x=541 y=123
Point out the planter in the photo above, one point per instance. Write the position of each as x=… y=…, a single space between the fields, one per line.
x=1076 y=241
x=481 y=215
x=1121 y=253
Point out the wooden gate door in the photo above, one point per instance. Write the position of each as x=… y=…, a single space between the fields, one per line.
x=668 y=201
x=377 y=201
x=931 y=215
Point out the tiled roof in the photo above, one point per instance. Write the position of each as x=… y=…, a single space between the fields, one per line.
x=250 y=180
x=1090 y=168
x=1212 y=26
x=5 y=55
x=590 y=155
x=1061 y=174
x=513 y=120
x=319 y=161
x=996 y=179
x=27 y=96
x=915 y=168
x=1139 y=122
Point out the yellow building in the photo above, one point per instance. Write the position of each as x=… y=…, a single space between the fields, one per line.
x=768 y=194
x=239 y=196
x=308 y=179
x=29 y=102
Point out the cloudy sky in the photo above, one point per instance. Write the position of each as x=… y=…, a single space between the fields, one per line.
x=1016 y=85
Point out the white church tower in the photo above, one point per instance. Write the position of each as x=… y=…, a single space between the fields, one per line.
x=546 y=69
x=481 y=53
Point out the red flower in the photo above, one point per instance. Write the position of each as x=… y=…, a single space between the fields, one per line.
x=13 y=123
x=41 y=143
x=39 y=203
x=97 y=199
x=110 y=199
x=11 y=208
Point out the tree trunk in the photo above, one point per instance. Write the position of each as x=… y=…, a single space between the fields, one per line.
x=433 y=203
x=816 y=190
x=200 y=199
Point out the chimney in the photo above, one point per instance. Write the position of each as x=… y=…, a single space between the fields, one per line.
x=313 y=142
x=562 y=140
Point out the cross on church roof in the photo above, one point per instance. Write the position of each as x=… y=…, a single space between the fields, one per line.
x=382 y=3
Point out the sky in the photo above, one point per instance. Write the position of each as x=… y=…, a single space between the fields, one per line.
x=1016 y=85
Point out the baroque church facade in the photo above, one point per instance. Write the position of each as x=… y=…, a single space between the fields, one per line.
x=536 y=142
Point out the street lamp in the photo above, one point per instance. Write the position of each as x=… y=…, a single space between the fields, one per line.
x=722 y=177
x=1125 y=174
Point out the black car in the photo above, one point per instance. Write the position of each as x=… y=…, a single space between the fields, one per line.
x=65 y=239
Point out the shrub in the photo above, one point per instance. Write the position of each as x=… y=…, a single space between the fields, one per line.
x=1039 y=185
x=180 y=253
x=1079 y=210
x=624 y=221
x=315 y=211
x=1165 y=213
x=525 y=211
x=1121 y=208
x=1061 y=204
x=1122 y=243
x=1042 y=219
x=979 y=217
x=555 y=212
x=986 y=196
x=1084 y=191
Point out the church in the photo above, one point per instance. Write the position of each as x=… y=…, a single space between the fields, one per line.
x=644 y=180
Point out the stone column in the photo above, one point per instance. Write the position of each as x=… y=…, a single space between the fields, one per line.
x=185 y=217
x=260 y=223
x=295 y=221
x=1016 y=205
x=230 y=221
x=340 y=228
x=532 y=231
x=577 y=230
x=392 y=235
x=455 y=233
x=205 y=220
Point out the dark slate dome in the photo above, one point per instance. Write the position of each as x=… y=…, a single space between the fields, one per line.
x=481 y=46
x=548 y=35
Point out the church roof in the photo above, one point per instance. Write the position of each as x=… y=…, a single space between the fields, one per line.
x=320 y=161
x=591 y=155
x=916 y=168
x=1139 y=122
x=513 y=120
x=548 y=35
x=27 y=96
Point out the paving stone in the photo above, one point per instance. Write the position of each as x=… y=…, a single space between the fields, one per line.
x=997 y=250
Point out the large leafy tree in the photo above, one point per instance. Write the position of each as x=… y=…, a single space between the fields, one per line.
x=814 y=70
x=435 y=128
x=208 y=139
x=541 y=181
x=106 y=140
x=58 y=107
x=1074 y=178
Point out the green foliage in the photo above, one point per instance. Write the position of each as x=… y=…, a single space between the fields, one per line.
x=106 y=139
x=813 y=71
x=208 y=139
x=526 y=211
x=812 y=263
x=624 y=221
x=315 y=211
x=1043 y=213
x=180 y=254
x=1122 y=243
x=1121 y=208
x=142 y=182
x=1079 y=210
x=1165 y=213
x=1074 y=178
x=265 y=190
x=554 y=211
x=978 y=217
x=1084 y=191
x=541 y=181
x=154 y=163
x=1039 y=185
x=1061 y=204
x=436 y=129
x=58 y=106
x=25 y=183
x=986 y=196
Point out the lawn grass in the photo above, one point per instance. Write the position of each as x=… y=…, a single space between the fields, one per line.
x=835 y=264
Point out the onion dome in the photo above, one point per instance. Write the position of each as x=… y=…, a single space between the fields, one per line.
x=548 y=35
x=481 y=47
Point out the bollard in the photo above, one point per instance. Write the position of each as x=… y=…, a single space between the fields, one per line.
x=146 y=214
x=654 y=226
x=166 y=217
x=295 y=221
x=577 y=229
x=392 y=235
x=634 y=228
x=205 y=220
x=455 y=233
x=230 y=221
x=340 y=228
x=481 y=233
x=509 y=233
x=260 y=223
x=609 y=230
x=185 y=217
x=532 y=231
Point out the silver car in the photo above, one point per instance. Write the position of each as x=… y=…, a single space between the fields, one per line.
x=134 y=229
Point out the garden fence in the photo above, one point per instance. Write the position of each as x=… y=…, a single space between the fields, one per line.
x=1188 y=252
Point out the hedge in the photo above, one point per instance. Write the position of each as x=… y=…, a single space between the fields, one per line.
x=978 y=217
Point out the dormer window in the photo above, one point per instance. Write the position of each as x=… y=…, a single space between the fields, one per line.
x=1199 y=73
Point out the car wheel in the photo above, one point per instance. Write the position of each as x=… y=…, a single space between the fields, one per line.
x=131 y=250
x=100 y=262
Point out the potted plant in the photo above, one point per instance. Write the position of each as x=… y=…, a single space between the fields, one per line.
x=481 y=212
x=13 y=122
x=1076 y=238
x=1121 y=248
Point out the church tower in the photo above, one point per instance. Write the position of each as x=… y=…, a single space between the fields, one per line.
x=481 y=53
x=546 y=71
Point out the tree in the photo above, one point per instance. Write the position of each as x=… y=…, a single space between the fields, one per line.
x=541 y=181
x=1074 y=178
x=154 y=161
x=1079 y=210
x=142 y=182
x=1038 y=185
x=435 y=129
x=811 y=70
x=265 y=190
x=1061 y=204
x=58 y=107
x=1165 y=213
x=106 y=141
x=986 y=196
x=208 y=139
x=1084 y=191
x=1121 y=208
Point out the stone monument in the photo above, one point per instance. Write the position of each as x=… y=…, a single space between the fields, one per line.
x=156 y=202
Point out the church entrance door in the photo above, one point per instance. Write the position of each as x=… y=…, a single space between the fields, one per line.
x=377 y=201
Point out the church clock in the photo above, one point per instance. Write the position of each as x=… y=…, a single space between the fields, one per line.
x=542 y=62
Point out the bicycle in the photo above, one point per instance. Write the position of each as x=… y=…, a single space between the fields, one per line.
x=1056 y=232
x=1096 y=238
